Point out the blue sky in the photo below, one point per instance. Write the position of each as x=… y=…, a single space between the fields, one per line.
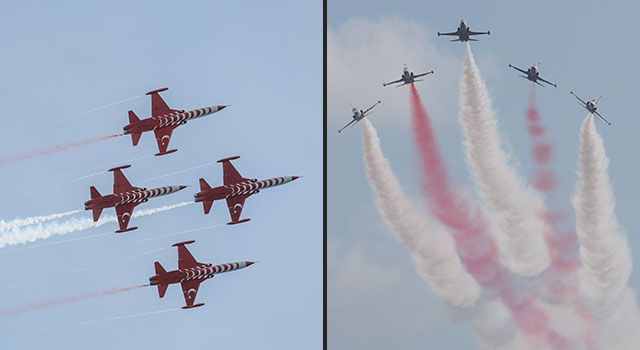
x=583 y=46
x=262 y=59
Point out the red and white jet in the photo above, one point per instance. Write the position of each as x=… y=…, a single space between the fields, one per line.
x=189 y=274
x=124 y=198
x=236 y=189
x=163 y=120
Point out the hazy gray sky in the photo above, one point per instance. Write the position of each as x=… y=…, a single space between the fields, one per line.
x=262 y=59
x=583 y=46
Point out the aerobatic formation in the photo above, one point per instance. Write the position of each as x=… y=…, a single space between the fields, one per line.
x=125 y=197
x=506 y=256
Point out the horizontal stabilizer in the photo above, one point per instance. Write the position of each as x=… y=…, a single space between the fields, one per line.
x=94 y=193
x=135 y=137
x=159 y=269
x=204 y=186
x=133 y=118
x=207 y=206
x=229 y=158
x=162 y=288
x=183 y=243
x=120 y=167
x=156 y=91
x=96 y=214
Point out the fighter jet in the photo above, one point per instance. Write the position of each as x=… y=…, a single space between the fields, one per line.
x=236 y=190
x=407 y=77
x=124 y=198
x=463 y=33
x=189 y=274
x=532 y=74
x=591 y=106
x=163 y=120
x=358 y=114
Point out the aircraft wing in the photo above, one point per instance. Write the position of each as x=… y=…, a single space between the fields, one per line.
x=477 y=33
x=392 y=82
x=158 y=106
x=370 y=108
x=163 y=136
x=230 y=174
x=124 y=212
x=350 y=123
x=120 y=182
x=450 y=33
x=235 y=205
x=603 y=118
x=518 y=69
x=189 y=291
x=421 y=75
x=548 y=82
x=579 y=99
x=185 y=259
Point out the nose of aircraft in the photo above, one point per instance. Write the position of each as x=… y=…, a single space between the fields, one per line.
x=182 y=187
x=249 y=263
x=294 y=177
x=222 y=107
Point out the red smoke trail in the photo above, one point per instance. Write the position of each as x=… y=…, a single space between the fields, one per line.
x=478 y=251
x=54 y=149
x=65 y=300
x=562 y=242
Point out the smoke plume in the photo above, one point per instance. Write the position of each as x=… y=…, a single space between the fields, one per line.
x=432 y=250
x=53 y=150
x=515 y=207
x=25 y=234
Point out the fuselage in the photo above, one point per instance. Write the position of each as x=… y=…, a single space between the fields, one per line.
x=407 y=77
x=463 y=31
x=136 y=196
x=533 y=74
x=173 y=119
x=244 y=188
x=591 y=106
x=357 y=114
x=202 y=272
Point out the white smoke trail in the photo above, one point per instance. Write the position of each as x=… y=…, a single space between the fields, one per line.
x=19 y=222
x=603 y=248
x=34 y=232
x=607 y=265
x=515 y=208
x=432 y=250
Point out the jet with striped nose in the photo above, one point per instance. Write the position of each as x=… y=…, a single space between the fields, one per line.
x=236 y=190
x=124 y=198
x=190 y=274
x=163 y=120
